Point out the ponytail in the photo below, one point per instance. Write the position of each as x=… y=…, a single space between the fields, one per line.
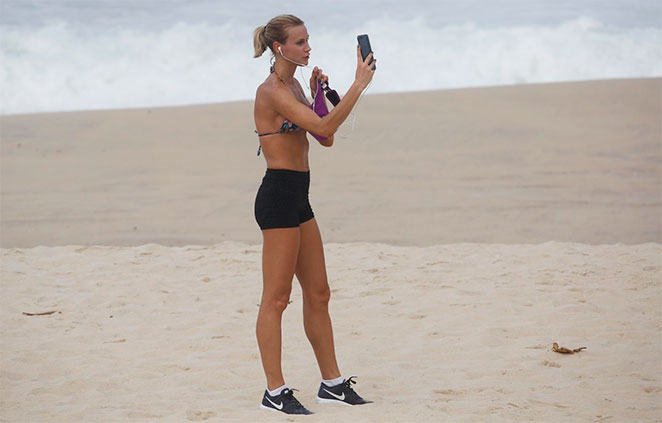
x=259 y=40
x=276 y=30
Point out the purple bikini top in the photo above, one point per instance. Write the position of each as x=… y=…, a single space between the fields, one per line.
x=319 y=107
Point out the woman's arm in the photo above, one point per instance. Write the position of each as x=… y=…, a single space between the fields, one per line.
x=328 y=142
x=285 y=103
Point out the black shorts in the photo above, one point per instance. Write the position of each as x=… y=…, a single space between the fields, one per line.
x=282 y=200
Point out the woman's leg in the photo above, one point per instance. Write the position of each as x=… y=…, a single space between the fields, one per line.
x=311 y=272
x=279 y=256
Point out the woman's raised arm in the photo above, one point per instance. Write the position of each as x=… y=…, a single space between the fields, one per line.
x=285 y=103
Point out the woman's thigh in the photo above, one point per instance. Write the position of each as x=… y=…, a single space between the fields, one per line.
x=279 y=258
x=310 y=265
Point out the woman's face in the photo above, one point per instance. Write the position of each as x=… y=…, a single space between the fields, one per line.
x=296 y=48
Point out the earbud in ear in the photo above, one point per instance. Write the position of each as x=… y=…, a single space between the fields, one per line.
x=290 y=60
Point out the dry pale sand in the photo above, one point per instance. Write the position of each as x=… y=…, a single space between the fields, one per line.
x=577 y=162
x=468 y=230
x=453 y=333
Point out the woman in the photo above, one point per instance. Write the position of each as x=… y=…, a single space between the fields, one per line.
x=292 y=242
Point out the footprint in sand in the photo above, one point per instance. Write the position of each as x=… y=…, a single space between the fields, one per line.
x=449 y=392
x=537 y=347
x=552 y=404
x=144 y=415
x=194 y=415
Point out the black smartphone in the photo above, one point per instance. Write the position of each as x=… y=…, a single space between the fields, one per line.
x=364 y=43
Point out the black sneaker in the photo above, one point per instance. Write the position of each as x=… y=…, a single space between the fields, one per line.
x=340 y=394
x=284 y=402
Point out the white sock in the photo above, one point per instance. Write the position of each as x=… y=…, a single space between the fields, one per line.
x=277 y=391
x=333 y=382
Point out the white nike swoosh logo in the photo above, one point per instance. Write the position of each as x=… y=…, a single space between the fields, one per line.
x=278 y=406
x=340 y=397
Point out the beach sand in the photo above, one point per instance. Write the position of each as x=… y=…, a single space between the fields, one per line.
x=456 y=333
x=574 y=162
x=466 y=231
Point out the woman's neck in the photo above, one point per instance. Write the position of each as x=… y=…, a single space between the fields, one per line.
x=285 y=70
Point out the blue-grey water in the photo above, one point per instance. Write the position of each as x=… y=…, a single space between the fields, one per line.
x=95 y=54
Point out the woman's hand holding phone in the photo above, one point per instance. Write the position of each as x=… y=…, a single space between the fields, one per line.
x=366 y=64
x=364 y=68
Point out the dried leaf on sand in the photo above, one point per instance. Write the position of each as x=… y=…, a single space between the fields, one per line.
x=564 y=350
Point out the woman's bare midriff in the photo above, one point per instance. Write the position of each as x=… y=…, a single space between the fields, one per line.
x=286 y=151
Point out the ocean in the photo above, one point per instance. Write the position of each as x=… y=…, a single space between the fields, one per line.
x=58 y=55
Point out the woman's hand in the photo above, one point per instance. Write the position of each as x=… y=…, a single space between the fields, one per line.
x=317 y=74
x=364 y=71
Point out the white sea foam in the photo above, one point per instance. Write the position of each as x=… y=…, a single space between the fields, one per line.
x=57 y=66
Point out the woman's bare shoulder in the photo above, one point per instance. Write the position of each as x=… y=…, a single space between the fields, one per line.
x=268 y=90
x=266 y=97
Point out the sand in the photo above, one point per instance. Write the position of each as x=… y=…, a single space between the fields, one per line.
x=577 y=162
x=457 y=333
x=466 y=231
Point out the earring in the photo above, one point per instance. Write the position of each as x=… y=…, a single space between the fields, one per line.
x=272 y=60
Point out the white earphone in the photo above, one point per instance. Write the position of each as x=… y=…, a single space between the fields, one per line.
x=290 y=60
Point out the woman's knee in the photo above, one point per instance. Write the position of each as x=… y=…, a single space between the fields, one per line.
x=276 y=302
x=317 y=297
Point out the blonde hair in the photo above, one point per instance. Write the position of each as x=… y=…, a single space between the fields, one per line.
x=275 y=30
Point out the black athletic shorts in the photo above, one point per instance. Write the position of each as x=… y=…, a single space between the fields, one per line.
x=282 y=200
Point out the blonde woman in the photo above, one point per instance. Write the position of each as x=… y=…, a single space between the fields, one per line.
x=292 y=244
